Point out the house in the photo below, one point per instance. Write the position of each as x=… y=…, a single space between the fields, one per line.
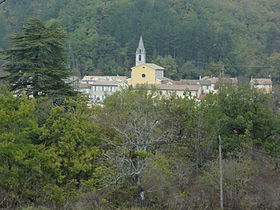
x=264 y=84
x=98 y=87
x=205 y=85
x=193 y=91
x=212 y=84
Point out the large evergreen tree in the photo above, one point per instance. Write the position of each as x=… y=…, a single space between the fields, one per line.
x=36 y=61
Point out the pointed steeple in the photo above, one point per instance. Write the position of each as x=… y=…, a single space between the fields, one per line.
x=140 y=53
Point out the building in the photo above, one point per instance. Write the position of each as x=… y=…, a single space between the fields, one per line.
x=98 y=87
x=142 y=72
x=264 y=84
x=146 y=73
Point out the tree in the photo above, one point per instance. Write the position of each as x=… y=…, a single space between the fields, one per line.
x=24 y=167
x=71 y=135
x=245 y=115
x=237 y=176
x=189 y=71
x=137 y=116
x=36 y=62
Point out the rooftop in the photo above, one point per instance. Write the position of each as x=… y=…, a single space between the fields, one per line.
x=151 y=65
x=104 y=78
x=178 y=87
x=261 y=81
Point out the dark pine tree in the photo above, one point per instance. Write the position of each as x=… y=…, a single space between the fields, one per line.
x=36 y=61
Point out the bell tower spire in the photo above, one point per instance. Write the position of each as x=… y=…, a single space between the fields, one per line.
x=140 y=53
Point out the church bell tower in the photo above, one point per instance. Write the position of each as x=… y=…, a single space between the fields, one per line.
x=140 y=53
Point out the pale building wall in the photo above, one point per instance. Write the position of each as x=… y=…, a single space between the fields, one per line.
x=143 y=74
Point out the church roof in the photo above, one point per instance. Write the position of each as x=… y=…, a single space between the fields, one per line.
x=141 y=43
x=154 y=66
x=151 y=65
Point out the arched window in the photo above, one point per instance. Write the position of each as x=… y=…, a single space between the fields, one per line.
x=139 y=57
x=140 y=51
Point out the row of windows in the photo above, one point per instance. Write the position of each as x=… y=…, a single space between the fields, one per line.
x=104 y=88
x=98 y=98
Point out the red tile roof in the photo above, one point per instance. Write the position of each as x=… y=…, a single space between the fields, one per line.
x=261 y=81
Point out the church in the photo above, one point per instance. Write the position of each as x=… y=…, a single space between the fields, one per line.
x=143 y=74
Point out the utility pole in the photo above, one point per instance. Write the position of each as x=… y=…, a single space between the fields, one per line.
x=221 y=174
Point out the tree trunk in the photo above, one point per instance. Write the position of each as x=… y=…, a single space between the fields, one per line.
x=141 y=191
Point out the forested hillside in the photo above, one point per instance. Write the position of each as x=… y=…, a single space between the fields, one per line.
x=189 y=37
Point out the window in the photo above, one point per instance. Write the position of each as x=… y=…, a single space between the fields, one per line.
x=139 y=58
x=159 y=74
x=143 y=75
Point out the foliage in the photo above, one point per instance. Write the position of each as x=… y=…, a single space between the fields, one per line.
x=139 y=149
x=136 y=116
x=246 y=116
x=71 y=135
x=237 y=175
x=36 y=62
x=103 y=34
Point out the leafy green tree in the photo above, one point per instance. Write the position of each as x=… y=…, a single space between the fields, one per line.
x=245 y=115
x=18 y=122
x=189 y=71
x=74 y=138
x=24 y=167
x=36 y=62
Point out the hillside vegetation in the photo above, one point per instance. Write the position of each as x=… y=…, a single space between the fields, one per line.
x=189 y=37
x=139 y=150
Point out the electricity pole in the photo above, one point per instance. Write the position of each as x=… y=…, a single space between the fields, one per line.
x=221 y=174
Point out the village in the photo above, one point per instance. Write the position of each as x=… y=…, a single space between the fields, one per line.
x=151 y=75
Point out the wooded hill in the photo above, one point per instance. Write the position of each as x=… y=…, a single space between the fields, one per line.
x=188 y=37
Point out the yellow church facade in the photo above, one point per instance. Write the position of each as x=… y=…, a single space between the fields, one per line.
x=147 y=73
